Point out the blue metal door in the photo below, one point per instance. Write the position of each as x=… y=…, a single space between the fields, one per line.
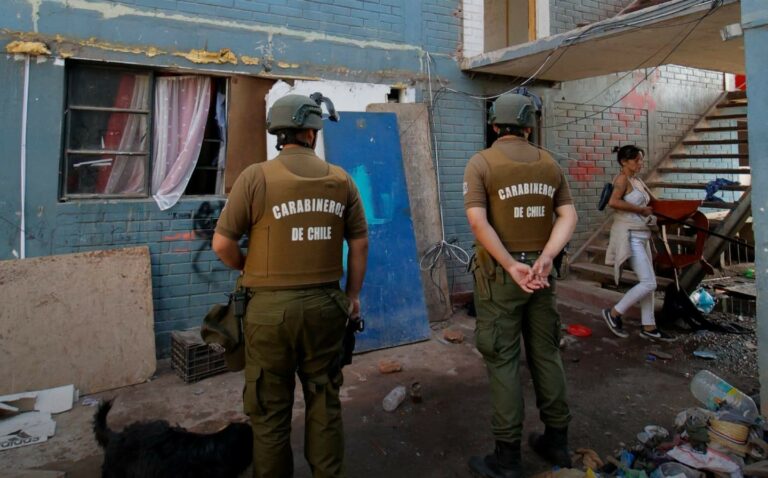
x=367 y=146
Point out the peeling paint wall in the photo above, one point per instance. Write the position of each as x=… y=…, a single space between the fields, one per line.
x=384 y=43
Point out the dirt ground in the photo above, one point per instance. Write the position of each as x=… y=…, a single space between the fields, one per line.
x=615 y=389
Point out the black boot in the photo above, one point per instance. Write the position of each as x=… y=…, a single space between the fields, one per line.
x=552 y=446
x=504 y=462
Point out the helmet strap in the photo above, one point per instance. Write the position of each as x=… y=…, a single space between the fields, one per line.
x=289 y=136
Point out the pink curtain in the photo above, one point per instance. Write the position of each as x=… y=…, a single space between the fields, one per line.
x=181 y=112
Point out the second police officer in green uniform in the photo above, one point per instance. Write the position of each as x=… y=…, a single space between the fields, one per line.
x=297 y=211
x=520 y=210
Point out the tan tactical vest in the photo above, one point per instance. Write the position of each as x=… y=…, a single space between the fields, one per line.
x=298 y=240
x=521 y=199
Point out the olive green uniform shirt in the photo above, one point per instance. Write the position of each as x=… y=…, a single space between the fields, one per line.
x=247 y=212
x=520 y=186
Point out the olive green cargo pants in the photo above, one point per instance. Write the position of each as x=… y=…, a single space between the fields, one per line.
x=291 y=332
x=505 y=313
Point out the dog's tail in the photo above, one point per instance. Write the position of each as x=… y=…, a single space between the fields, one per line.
x=100 y=428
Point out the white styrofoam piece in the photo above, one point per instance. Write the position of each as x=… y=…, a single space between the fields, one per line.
x=51 y=400
x=31 y=423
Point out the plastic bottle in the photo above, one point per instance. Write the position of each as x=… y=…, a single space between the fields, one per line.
x=393 y=399
x=717 y=394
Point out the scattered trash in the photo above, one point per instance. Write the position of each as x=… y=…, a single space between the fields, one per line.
x=453 y=336
x=749 y=273
x=705 y=354
x=711 y=460
x=25 y=418
x=652 y=436
x=389 y=366
x=589 y=458
x=660 y=355
x=675 y=470
x=703 y=300
x=579 y=330
x=90 y=402
x=717 y=394
x=393 y=399
x=650 y=358
x=415 y=392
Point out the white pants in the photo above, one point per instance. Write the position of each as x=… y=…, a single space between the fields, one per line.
x=643 y=291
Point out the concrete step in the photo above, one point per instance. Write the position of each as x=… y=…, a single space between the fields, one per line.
x=712 y=142
x=705 y=170
x=734 y=116
x=604 y=274
x=669 y=185
x=732 y=104
x=736 y=95
x=719 y=205
x=590 y=293
x=718 y=129
x=708 y=156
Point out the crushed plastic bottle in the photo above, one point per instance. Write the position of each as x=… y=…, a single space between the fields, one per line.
x=717 y=394
x=393 y=399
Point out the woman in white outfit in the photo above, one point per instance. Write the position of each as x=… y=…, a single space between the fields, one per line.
x=630 y=240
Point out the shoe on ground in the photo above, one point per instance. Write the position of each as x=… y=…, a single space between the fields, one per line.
x=657 y=334
x=552 y=445
x=614 y=324
x=504 y=462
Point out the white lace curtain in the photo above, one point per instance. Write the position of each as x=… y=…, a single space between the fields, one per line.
x=127 y=173
x=181 y=112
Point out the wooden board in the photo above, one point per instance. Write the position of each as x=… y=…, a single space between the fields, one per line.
x=413 y=123
x=84 y=319
x=247 y=120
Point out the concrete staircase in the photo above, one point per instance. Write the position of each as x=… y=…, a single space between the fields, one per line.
x=716 y=147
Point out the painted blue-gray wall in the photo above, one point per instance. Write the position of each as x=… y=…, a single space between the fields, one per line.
x=382 y=41
x=754 y=18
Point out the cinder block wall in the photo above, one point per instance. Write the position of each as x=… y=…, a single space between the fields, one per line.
x=187 y=277
x=566 y=15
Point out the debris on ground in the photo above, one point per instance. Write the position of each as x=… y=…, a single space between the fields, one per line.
x=389 y=366
x=724 y=439
x=453 y=336
x=25 y=418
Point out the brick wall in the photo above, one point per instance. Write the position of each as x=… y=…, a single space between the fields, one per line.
x=692 y=77
x=583 y=148
x=459 y=123
x=566 y=15
x=441 y=26
x=473 y=20
x=358 y=19
x=187 y=278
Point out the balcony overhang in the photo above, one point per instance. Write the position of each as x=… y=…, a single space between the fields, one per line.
x=636 y=40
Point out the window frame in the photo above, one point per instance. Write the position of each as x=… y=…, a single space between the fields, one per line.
x=64 y=195
x=153 y=73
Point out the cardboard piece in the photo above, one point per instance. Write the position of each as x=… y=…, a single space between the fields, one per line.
x=84 y=319
x=52 y=400
x=415 y=137
x=26 y=429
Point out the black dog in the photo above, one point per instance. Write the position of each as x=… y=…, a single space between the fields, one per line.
x=155 y=449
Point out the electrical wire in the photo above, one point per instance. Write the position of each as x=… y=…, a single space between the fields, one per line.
x=442 y=250
x=715 y=5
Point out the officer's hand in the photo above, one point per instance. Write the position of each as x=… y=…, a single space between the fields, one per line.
x=541 y=270
x=354 y=307
x=522 y=274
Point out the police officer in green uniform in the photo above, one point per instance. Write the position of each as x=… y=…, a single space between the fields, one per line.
x=520 y=210
x=297 y=210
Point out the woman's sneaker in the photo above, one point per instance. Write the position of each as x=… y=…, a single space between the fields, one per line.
x=657 y=334
x=614 y=323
